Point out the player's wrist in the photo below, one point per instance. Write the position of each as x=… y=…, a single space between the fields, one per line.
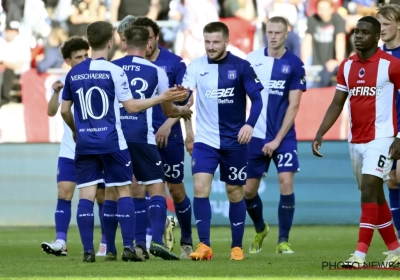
x=160 y=98
x=250 y=124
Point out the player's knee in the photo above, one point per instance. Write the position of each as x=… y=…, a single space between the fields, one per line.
x=138 y=191
x=370 y=188
x=88 y=193
x=110 y=194
x=123 y=191
x=157 y=189
x=201 y=189
x=286 y=188
x=66 y=190
x=202 y=184
x=100 y=195
x=286 y=183
x=234 y=193
x=251 y=188
x=177 y=192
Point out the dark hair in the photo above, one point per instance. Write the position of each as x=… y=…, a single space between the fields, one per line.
x=73 y=44
x=98 y=34
x=279 y=20
x=376 y=26
x=217 y=26
x=137 y=37
x=146 y=22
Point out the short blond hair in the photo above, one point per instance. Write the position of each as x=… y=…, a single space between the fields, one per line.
x=390 y=12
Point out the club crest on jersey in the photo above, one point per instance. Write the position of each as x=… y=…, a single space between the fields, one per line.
x=361 y=73
x=231 y=74
x=285 y=69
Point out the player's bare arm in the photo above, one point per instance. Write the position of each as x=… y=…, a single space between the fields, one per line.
x=332 y=114
x=171 y=95
x=288 y=120
x=173 y=111
x=165 y=129
x=52 y=106
x=66 y=114
x=189 y=140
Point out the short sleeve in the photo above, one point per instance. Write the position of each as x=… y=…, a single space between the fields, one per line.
x=162 y=81
x=179 y=72
x=67 y=93
x=189 y=78
x=394 y=73
x=340 y=79
x=298 y=80
x=251 y=82
x=121 y=84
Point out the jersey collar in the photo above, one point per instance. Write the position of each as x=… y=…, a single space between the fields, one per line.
x=375 y=56
x=390 y=50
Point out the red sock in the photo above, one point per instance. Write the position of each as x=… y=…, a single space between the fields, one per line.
x=368 y=220
x=386 y=228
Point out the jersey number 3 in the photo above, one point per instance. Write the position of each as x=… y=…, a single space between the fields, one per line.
x=85 y=101
x=144 y=87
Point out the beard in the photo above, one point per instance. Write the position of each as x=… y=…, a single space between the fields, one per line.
x=216 y=55
x=152 y=50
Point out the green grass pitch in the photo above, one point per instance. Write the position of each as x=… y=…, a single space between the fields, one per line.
x=21 y=257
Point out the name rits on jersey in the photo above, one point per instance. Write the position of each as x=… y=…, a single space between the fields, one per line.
x=224 y=93
x=275 y=87
x=365 y=91
x=131 y=68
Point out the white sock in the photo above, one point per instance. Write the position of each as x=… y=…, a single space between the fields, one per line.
x=360 y=254
x=148 y=241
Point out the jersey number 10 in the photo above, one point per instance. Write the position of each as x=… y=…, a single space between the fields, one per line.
x=85 y=101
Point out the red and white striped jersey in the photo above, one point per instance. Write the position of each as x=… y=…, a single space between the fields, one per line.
x=371 y=85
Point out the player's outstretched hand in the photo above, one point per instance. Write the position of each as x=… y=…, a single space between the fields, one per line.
x=57 y=86
x=316 y=145
x=270 y=147
x=394 y=150
x=175 y=95
x=189 y=141
x=245 y=134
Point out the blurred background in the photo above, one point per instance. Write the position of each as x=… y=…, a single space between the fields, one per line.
x=32 y=31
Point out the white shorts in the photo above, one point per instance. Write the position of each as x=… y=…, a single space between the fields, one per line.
x=371 y=158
